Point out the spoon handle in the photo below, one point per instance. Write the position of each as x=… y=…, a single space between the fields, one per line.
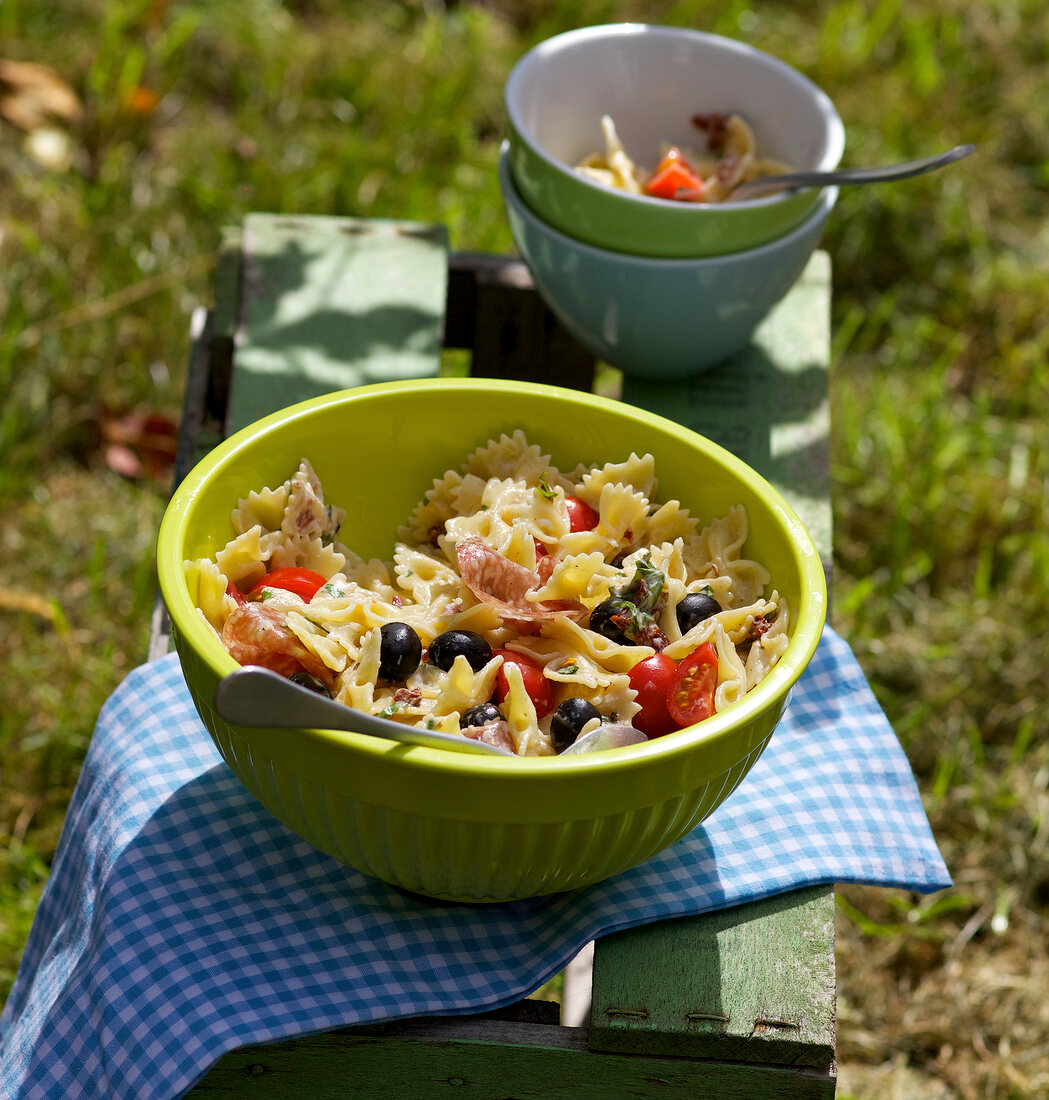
x=258 y=697
x=882 y=174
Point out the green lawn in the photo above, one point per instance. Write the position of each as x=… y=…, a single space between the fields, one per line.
x=195 y=113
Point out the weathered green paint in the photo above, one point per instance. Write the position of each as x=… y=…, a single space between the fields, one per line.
x=753 y=984
x=769 y=403
x=328 y=303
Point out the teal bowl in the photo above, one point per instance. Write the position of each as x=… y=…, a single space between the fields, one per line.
x=651 y=80
x=659 y=319
x=452 y=825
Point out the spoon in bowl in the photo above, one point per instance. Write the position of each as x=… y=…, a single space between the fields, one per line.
x=611 y=735
x=254 y=696
x=793 y=181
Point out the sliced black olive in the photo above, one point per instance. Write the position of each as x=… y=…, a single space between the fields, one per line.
x=601 y=619
x=447 y=646
x=694 y=608
x=568 y=719
x=399 y=652
x=308 y=680
x=480 y=715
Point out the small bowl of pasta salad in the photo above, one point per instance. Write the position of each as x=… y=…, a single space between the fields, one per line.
x=632 y=137
x=555 y=566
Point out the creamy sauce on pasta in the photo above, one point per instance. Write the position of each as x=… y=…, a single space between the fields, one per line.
x=490 y=549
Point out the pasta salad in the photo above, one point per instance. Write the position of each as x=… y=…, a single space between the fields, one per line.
x=523 y=606
x=730 y=157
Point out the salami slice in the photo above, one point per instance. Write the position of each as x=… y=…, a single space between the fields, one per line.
x=503 y=584
x=257 y=635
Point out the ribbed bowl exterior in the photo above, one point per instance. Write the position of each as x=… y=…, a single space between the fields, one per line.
x=455 y=860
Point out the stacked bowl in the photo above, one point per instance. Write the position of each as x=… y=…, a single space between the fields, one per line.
x=657 y=287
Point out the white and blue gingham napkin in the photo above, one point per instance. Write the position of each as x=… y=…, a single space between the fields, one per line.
x=182 y=920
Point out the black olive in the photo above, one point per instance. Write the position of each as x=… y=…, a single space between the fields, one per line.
x=480 y=715
x=447 y=646
x=568 y=719
x=601 y=619
x=308 y=680
x=694 y=608
x=399 y=652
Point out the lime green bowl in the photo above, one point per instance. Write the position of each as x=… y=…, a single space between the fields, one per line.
x=450 y=825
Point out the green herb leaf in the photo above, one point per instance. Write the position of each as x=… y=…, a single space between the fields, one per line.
x=544 y=490
x=645 y=590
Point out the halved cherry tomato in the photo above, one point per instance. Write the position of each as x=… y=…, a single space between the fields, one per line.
x=581 y=517
x=540 y=689
x=691 y=695
x=673 y=175
x=303 y=582
x=651 y=679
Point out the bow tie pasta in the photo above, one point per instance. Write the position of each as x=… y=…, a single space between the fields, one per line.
x=728 y=157
x=523 y=605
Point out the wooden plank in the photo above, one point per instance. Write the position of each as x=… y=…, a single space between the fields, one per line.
x=769 y=404
x=328 y=303
x=494 y=310
x=469 y=1059
x=752 y=984
x=707 y=979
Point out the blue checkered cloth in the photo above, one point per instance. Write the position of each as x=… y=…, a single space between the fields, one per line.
x=181 y=920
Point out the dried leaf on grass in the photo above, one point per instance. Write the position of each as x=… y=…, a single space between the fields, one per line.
x=141 y=101
x=33 y=96
x=139 y=444
x=16 y=600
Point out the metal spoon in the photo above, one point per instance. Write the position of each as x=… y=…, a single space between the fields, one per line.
x=254 y=696
x=797 y=180
x=612 y=735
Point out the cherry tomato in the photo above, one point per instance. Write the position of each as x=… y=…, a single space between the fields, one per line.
x=674 y=176
x=303 y=582
x=651 y=679
x=691 y=695
x=581 y=517
x=540 y=549
x=540 y=689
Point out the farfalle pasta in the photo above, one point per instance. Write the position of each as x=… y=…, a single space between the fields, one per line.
x=729 y=157
x=522 y=604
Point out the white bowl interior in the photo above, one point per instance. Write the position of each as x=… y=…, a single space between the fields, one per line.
x=651 y=80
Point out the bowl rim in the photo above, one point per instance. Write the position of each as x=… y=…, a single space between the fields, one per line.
x=823 y=102
x=512 y=195
x=657 y=753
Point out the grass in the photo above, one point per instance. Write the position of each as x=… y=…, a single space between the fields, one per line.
x=194 y=114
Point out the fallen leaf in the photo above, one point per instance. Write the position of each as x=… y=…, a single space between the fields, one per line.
x=32 y=96
x=141 y=101
x=139 y=444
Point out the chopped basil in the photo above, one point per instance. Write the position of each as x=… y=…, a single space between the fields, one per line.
x=544 y=490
